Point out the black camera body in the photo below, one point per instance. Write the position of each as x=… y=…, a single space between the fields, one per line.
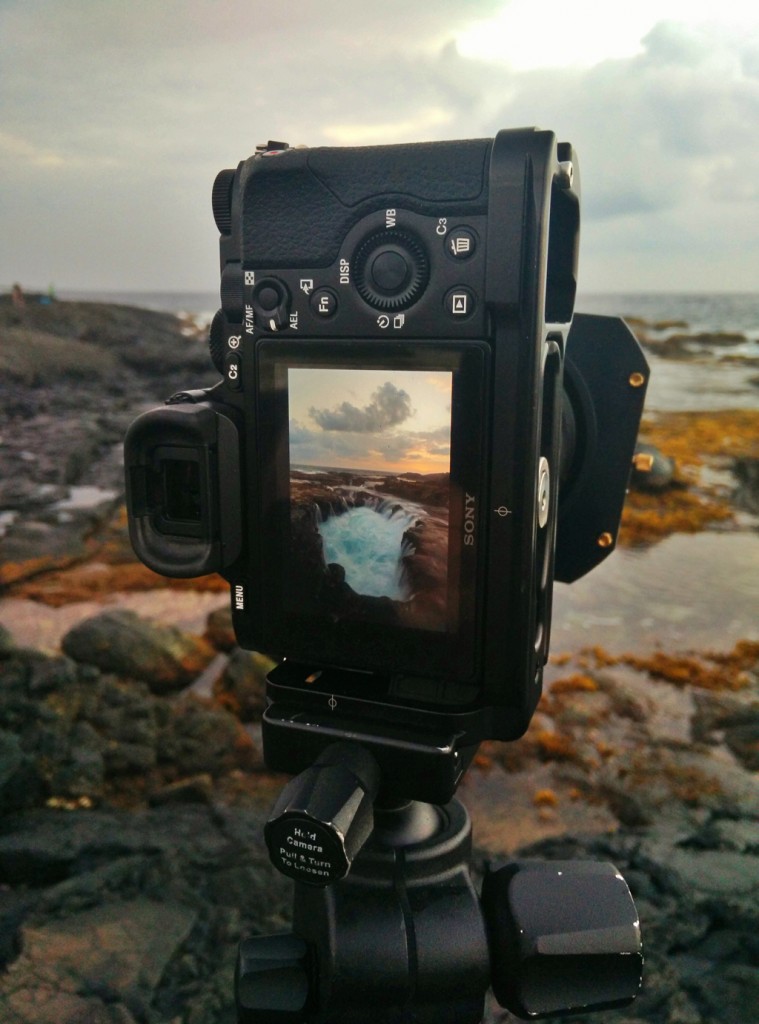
x=377 y=475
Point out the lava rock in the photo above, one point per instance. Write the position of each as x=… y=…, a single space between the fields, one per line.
x=199 y=737
x=198 y=789
x=131 y=916
x=242 y=685
x=120 y=641
x=7 y=643
x=746 y=494
x=219 y=629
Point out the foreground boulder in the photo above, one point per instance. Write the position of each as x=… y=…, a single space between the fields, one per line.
x=120 y=641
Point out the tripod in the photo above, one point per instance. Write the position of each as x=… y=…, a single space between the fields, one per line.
x=404 y=935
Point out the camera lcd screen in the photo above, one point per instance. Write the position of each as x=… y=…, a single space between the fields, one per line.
x=371 y=497
x=370 y=485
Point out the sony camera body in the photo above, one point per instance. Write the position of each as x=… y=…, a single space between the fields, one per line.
x=377 y=474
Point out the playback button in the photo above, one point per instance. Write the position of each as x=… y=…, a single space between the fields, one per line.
x=459 y=303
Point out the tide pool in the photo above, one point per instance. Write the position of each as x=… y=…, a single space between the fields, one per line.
x=368 y=545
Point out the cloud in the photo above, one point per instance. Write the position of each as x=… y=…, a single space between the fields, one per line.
x=121 y=116
x=389 y=407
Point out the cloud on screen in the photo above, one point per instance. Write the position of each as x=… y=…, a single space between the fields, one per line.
x=389 y=407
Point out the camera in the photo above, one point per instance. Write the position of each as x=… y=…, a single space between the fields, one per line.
x=412 y=437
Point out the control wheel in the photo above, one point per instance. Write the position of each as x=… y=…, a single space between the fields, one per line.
x=217 y=340
x=391 y=270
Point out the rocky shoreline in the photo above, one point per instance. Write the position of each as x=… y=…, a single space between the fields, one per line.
x=132 y=788
x=133 y=800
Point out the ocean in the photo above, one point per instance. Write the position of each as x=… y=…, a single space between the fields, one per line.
x=675 y=385
x=712 y=311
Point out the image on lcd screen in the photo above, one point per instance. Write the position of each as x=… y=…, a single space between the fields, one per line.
x=369 y=455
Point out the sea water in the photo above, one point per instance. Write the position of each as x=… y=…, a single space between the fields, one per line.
x=369 y=545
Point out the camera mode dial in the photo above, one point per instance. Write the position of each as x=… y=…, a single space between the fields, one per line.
x=391 y=270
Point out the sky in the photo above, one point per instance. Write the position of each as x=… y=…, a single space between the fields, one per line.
x=390 y=421
x=116 y=115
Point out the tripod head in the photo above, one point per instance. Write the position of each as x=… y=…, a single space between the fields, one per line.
x=388 y=925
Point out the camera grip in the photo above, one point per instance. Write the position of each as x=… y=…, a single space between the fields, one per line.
x=299 y=206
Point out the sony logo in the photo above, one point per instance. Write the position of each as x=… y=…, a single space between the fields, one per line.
x=469 y=520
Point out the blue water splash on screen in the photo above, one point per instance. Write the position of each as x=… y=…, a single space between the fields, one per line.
x=369 y=545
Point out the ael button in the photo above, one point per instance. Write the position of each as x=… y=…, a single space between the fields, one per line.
x=271 y=301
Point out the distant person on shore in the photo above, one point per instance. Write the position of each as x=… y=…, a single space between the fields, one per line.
x=17 y=297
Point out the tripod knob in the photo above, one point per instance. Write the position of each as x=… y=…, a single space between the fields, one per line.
x=324 y=816
x=564 y=936
x=272 y=979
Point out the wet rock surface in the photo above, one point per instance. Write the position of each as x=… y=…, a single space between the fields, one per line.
x=73 y=375
x=130 y=916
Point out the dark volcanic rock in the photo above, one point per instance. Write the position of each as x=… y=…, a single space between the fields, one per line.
x=746 y=495
x=72 y=378
x=688 y=346
x=203 y=738
x=82 y=892
x=131 y=917
x=71 y=735
x=219 y=629
x=7 y=643
x=120 y=641
x=242 y=685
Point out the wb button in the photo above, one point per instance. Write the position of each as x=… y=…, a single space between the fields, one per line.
x=459 y=303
